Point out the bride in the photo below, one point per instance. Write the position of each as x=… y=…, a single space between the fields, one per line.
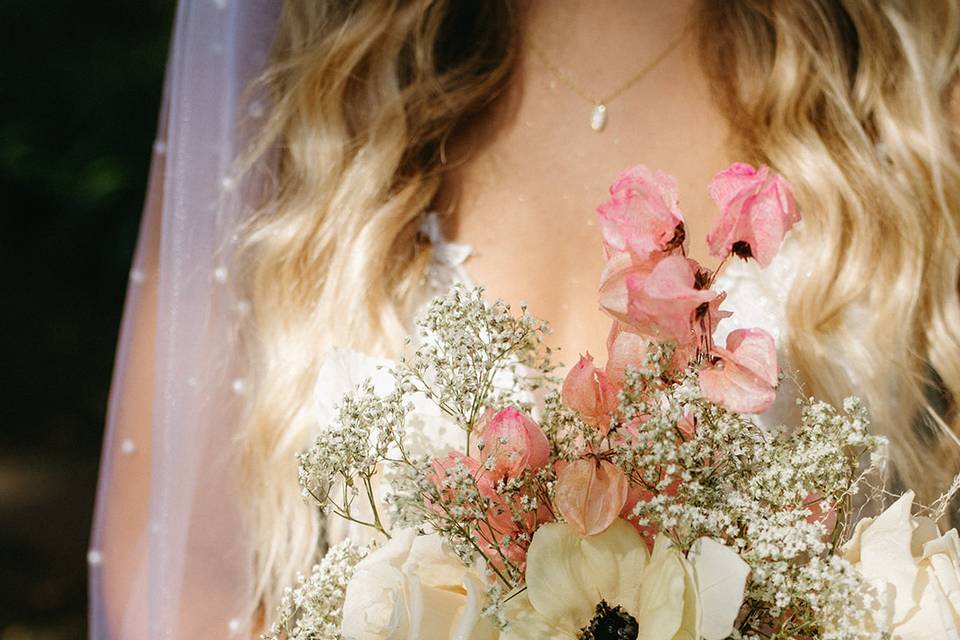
x=392 y=148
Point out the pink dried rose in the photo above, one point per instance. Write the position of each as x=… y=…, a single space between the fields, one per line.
x=643 y=214
x=590 y=494
x=513 y=443
x=756 y=211
x=744 y=376
x=664 y=302
x=587 y=391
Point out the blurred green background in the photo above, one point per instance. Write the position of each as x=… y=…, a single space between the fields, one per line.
x=80 y=87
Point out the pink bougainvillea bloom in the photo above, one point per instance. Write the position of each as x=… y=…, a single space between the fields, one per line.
x=663 y=302
x=707 y=317
x=624 y=347
x=444 y=467
x=587 y=391
x=643 y=214
x=756 y=211
x=614 y=300
x=481 y=424
x=743 y=377
x=590 y=494
x=513 y=443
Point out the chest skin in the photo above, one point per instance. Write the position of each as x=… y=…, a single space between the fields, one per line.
x=533 y=172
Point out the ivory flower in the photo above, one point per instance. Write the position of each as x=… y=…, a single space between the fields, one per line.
x=745 y=375
x=411 y=588
x=610 y=582
x=643 y=214
x=756 y=211
x=914 y=569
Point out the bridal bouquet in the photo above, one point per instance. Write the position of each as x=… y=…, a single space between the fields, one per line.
x=638 y=499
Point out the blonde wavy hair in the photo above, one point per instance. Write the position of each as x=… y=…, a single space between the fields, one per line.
x=850 y=100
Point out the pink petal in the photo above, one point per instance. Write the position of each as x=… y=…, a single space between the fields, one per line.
x=636 y=494
x=736 y=389
x=441 y=468
x=515 y=443
x=755 y=208
x=614 y=299
x=624 y=348
x=589 y=392
x=609 y=403
x=731 y=181
x=580 y=387
x=642 y=215
x=744 y=377
x=664 y=301
x=756 y=351
x=590 y=494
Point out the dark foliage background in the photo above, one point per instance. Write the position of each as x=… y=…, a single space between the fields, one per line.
x=80 y=87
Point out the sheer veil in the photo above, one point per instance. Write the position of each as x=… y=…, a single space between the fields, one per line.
x=169 y=558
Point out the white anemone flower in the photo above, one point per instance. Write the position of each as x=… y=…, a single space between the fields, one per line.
x=609 y=585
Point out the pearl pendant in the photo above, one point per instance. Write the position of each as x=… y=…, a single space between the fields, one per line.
x=598 y=117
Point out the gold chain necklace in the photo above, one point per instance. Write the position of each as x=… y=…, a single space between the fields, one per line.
x=598 y=115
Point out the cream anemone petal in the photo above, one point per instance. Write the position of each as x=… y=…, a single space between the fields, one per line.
x=659 y=610
x=568 y=575
x=690 y=625
x=721 y=579
x=526 y=622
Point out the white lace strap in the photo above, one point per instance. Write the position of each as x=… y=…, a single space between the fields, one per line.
x=451 y=254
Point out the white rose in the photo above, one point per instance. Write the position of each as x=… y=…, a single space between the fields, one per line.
x=915 y=570
x=411 y=588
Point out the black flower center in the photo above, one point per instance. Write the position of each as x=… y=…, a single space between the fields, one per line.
x=742 y=249
x=679 y=235
x=610 y=623
x=701 y=311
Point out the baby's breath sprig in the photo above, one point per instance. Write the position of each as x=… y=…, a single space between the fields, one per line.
x=473 y=354
x=346 y=456
x=312 y=610
x=770 y=494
